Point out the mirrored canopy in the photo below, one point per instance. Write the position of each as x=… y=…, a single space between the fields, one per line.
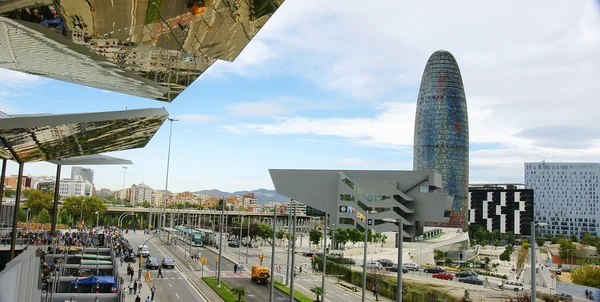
x=149 y=48
x=88 y=160
x=58 y=136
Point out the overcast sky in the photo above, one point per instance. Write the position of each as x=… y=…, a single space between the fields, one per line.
x=333 y=85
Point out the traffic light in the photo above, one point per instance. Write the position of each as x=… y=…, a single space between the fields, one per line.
x=261 y=257
x=101 y=240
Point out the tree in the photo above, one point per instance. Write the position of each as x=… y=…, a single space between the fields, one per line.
x=280 y=234
x=240 y=291
x=586 y=275
x=38 y=200
x=573 y=237
x=42 y=217
x=565 y=248
x=63 y=217
x=73 y=204
x=8 y=192
x=539 y=241
x=315 y=236
x=510 y=238
x=505 y=256
x=588 y=239
x=265 y=231
x=438 y=255
x=355 y=236
x=341 y=236
x=318 y=291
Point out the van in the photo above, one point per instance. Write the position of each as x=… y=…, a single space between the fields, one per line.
x=144 y=251
x=511 y=285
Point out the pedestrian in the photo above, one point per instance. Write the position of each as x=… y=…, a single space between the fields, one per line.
x=148 y=276
x=140 y=286
x=300 y=269
x=130 y=288
x=132 y=273
x=135 y=287
x=148 y=299
x=159 y=272
x=138 y=299
x=587 y=293
x=152 y=291
x=235 y=268
x=377 y=292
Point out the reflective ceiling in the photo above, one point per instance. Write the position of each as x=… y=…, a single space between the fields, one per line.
x=148 y=48
x=51 y=137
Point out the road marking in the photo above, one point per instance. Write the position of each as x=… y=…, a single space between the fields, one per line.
x=170 y=285
x=177 y=295
x=111 y=3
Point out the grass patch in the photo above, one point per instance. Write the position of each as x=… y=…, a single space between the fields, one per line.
x=224 y=291
x=297 y=295
x=153 y=11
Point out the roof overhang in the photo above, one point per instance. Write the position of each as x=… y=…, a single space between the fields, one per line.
x=90 y=160
x=60 y=136
x=149 y=49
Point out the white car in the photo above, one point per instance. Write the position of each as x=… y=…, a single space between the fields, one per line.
x=374 y=264
x=511 y=285
x=144 y=251
x=411 y=266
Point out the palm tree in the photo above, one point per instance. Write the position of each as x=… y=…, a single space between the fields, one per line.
x=240 y=291
x=317 y=290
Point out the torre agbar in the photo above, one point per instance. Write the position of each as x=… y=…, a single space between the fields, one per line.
x=442 y=131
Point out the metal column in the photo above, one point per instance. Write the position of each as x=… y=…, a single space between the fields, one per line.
x=56 y=198
x=324 y=252
x=272 y=285
x=16 y=211
x=293 y=254
x=2 y=177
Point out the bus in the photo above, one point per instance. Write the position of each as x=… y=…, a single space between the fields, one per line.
x=189 y=236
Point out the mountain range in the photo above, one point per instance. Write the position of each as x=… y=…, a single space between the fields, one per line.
x=261 y=195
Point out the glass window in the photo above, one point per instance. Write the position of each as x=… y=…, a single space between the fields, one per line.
x=424 y=189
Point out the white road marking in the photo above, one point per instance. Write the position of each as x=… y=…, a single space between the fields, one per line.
x=111 y=3
x=177 y=295
x=170 y=285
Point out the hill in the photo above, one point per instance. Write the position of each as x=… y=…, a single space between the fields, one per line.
x=262 y=195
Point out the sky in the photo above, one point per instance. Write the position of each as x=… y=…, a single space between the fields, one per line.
x=333 y=85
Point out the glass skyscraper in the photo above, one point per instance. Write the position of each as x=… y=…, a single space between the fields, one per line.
x=442 y=131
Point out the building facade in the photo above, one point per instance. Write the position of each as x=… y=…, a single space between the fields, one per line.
x=506 y=208
x=85 y=173
x=141 y=193
x=441 y=140
x=566 y=196
x=413 y=196
x=74 y=187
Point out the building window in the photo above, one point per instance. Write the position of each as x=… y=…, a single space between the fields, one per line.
x=424 y=189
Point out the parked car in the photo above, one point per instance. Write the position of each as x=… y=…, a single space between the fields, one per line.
x=394 y=268
x=471 y=280
x=466 y=274
x=443 y=275
x=434 y=270
x=309 y=253
x=374 y=264
x=152 y=263
x=511 y=285
x=168 y=262
x=411 y=266
x=563 y=297
x=233 y=243
x=386 y=262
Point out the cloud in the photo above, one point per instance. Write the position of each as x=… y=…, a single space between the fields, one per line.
x=197 y=118
x=563 y=136
x=16 y=84
x=282 y=106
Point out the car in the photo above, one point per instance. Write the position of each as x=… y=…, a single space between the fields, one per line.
x=471 y=280
x=152 y=263
x=374 y=264
x=411 y=266
x=386 y=262
x=309 y=253
x=443 y=275
x=168 y=262
x=466 y=274
x=394 y=268
x=434 y=270
x=563 y=297
x=233 y=243
x=511 y=285
x=144 y=251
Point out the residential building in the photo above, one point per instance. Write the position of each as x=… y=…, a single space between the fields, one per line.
x=413 y=196
x=105 y=193
x=74 y=187
x=503 y=207
x=12 y=182
x=141 y=193
x=37 y=180
x=441 y=140
x=566 y=196
x=85 y=173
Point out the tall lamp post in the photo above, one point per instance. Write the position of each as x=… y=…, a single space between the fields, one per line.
x=324 y=252
x=124 y=173
x=272 y=285
x=533 y=266
x=167 y=179
x=222 y=202
x=400 y=223
x=364 y=283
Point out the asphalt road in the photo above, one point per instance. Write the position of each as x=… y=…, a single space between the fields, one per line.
x=174 y=286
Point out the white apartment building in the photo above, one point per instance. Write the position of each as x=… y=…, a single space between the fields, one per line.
x=85 y=173
x=565 y=196
x=74 y=187
x=141 y=193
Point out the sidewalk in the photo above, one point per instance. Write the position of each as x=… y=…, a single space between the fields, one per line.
x=144 y=292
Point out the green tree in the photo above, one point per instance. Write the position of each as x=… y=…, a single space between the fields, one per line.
x=42 y=217
x=265 y=231
x=510 y=238
x=280 y=234
x=539 y=241
x=63 y=217
x=588 y=239
x=565 y=248
x=341 y=236
x=240 y=291
x=505 y=256
x=586 y=275
x=318 y=291
x=438 y=255
x=573 y=237
x=38 y=200
x=315 y=236
x=8 y=192
x=355 y=236
x=495 y=235
x=73 y=204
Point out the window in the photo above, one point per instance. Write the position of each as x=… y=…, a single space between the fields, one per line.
x=424 y=189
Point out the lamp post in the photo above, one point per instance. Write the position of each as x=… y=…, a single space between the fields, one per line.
x=222 y=201
x=533 y=266
x=287 y=271
x=120 y=221
x=272 y=285
x=97 y=218
x=27 y=219
x=81 y=217
x=124 y=173
x=324 y=252
x=293 y=241
x=400 y=223
x=364 y=283
x=167 y=179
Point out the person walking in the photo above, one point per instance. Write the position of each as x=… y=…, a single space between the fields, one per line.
x=152 y=291
x=587 y=293
x=235 y=269
x=148 y=276
x=159 y=272
x=376 y=291
x=140 y=287
x=130 y=288
x=148 y=299
x=135 y=287
x=138 y=299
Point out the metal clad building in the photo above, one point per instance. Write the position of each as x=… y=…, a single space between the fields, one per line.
x=501 y=208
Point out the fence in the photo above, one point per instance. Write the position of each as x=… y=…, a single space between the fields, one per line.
x=20 y=280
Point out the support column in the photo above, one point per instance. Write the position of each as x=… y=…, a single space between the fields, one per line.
x=56 y=197
x=16 y=211
x=2 y=177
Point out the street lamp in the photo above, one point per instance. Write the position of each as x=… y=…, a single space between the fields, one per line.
x=222 y=202
x=364 y=283
x=533 y=267
x=97 y=218
x=400 y=223
x=124 y=173
x=168 y=163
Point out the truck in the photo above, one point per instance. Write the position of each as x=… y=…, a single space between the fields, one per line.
x=260 y=274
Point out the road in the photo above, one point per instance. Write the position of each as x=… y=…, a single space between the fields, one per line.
x=175 y=285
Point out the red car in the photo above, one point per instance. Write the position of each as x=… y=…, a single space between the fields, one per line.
x=443 y=275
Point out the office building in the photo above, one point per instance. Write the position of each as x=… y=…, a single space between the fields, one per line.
x=85 y=173
x=74 y=187
x=507 y=208
x=441 y=140
x=414 y=196
x=566 y=196
x=141 y=193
